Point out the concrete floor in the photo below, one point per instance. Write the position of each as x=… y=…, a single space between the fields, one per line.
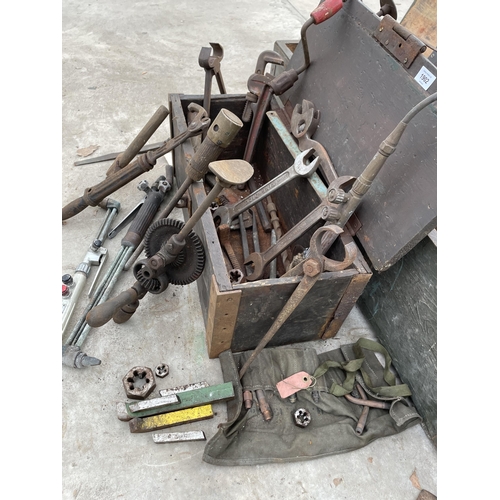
x=120 y=62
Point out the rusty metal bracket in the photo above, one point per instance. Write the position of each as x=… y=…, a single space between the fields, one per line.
x=399 y=41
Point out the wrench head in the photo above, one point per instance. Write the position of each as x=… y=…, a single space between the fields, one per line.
x=198 y=118
x=257 y=261
x=217 y=55
x=204 y=58
x=305 y=120
x=268 y=56
x=209 y=60
x=196 y=112
x=256 y=84
x=301 y=167
x=221 y=216
x=247 y=221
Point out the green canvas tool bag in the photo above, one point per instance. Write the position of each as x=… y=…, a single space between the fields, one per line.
x=248 y=439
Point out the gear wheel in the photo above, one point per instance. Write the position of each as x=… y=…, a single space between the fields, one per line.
x=152 y=285
x=190 y=262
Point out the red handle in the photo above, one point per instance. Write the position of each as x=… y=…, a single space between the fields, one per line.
x=326 y=10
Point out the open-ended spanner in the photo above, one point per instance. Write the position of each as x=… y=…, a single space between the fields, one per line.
x=299 y=169
x=328 y=210
x=143 y=163
x=303 y=124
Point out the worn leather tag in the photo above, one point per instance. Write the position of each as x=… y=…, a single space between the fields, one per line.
x=294 y=383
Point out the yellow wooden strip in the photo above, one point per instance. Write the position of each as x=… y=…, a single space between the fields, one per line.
x=170 y=419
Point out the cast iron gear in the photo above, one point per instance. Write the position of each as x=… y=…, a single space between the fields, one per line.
x=152 y=285
x=190 y=262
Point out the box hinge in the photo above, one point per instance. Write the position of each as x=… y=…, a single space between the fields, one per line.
x=399 y=41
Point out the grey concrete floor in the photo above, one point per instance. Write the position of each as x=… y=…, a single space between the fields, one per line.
x=120 y=60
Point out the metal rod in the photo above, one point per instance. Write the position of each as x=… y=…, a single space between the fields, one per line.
x=368 y=402
x=272 y=265
x=94 y=256
x=105 y=295
x=255 y=233
x=202 y=208
x=244 y=243
x=97 y=294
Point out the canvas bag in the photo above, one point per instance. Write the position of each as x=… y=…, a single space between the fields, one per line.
x=247 y=439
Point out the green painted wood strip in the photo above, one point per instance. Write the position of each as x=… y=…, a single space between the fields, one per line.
x=189 y=399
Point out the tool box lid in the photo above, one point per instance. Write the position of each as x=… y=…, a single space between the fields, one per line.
x=362 y=86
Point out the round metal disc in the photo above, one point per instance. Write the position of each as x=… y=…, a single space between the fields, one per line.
x=190 y=262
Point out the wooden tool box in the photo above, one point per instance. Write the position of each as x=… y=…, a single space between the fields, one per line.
x=362 y=91
x=238 y=315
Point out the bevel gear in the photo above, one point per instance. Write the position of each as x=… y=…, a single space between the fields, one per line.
x=189 y=264
x=152 y=285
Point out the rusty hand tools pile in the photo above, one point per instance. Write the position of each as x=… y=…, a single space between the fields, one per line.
x=174 y=251
x=337 y=208
x=155 y=194
x=262 y=87
x=143 y=163
x=95 y=256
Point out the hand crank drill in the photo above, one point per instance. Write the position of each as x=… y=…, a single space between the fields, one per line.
x=143 y=163
x=228 y=173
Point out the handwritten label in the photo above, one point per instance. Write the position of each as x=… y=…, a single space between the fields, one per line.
x=425 y=78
